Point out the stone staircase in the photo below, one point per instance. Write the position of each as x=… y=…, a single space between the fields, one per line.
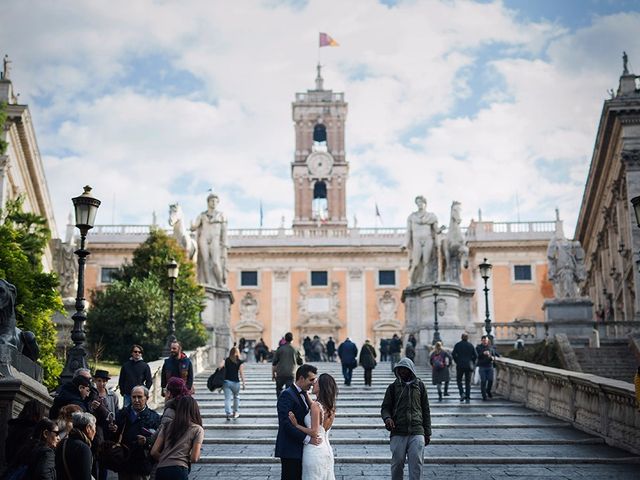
x=493 y=439
x=610 y=361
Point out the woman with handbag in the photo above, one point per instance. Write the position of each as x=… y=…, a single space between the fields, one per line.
x=233 y=375
x=440 y=361
x=367 y=361
x=178 y=444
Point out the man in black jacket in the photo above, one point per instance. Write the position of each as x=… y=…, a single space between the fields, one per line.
x=486 y=355
x=395 y=347
x=139 y=424
x=134 y=371
x=465 y=357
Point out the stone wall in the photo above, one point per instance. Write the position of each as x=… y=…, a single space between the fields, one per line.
x=597 y=405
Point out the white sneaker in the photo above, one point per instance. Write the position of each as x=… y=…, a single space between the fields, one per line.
x=236 y=415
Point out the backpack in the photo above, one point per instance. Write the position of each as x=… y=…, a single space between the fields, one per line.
x=438 y=362
x=216 y=379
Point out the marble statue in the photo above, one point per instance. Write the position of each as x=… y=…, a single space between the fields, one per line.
x=6 y=67
x=421 y=242
x=454 y=251
x=67 y=266
x=180 y=233
x=211 y=228
x=625 y=63
x=566 y=265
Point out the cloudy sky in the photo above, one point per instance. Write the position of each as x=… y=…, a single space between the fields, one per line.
x=494 y=104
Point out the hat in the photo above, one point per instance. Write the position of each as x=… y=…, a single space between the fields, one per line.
x=102 y=374
x=80 y=381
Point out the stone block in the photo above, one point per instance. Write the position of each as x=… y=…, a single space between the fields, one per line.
x=573 y=317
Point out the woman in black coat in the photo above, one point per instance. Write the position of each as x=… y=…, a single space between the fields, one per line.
x=440 y=361
x=367 y=361
x=20 y=429
x=42 y=462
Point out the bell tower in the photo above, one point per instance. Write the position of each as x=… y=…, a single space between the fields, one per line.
x=319 y=170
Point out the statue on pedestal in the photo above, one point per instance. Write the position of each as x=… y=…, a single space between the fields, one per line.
x=422 y=233
x=211 y=228
x=566 y=265
x=454 y=251
x=24 y=342
x=180 y=233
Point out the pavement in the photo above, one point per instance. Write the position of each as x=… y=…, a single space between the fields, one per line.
x=495 y=439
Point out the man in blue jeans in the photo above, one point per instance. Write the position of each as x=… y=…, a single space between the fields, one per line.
x=348 y=353
x=486 y=355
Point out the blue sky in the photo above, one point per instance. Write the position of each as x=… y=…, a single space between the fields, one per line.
x=480 y=102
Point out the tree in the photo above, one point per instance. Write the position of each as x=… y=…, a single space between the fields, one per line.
x=135 y=307
x=23 y=238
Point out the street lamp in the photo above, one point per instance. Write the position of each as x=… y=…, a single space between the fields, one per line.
x=485 y=273
x=435 y=289
x=635 y=201
x=172 y=273
x=86 y=207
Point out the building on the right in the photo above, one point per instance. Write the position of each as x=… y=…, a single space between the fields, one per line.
x=606 y=225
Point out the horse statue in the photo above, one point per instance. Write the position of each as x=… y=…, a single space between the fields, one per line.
x=180 y=232
x=455 y=253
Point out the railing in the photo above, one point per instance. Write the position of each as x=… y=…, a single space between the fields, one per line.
x=479 y=231
x=596 y=405
x=320 y=96
x=508 y=332
x=620 y=330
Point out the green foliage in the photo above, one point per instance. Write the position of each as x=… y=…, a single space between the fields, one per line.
x=135 y=308
x=3 y=119
x=23 y=237
x=542 y=353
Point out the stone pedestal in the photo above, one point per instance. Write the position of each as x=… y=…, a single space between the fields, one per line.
x=573 y=317
x=16 y=388
x=454 y=315
x=216 y=318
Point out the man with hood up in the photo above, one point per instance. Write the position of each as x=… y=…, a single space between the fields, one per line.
x=405 y=412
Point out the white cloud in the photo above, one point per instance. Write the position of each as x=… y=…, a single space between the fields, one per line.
x=408 y=72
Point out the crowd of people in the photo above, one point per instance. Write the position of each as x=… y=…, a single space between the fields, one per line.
x=90 y=429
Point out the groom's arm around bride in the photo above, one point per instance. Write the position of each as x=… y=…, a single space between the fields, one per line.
x=290 y=440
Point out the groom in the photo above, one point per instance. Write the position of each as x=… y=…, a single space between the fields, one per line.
x=290 y=440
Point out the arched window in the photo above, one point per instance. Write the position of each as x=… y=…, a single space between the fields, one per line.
x=320 y=133
x=320 y=205
x=319 y=138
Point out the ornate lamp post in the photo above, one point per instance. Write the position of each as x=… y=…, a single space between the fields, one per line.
x=635 y=201
x=172 y=273
x=485 y=273
x=86 y=207
x=435 y=289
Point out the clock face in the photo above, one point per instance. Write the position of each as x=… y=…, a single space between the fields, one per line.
x=320 y=163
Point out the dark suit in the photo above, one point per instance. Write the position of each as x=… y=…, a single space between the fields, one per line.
x=348 y=353
x=290 y=440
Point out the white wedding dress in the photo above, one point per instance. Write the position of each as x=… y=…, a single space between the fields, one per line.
x=317 y=461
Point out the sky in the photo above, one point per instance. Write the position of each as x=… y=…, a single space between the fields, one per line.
x=493 y=104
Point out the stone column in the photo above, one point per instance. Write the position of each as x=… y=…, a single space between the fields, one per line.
x=631 y=159
x=280 y=306
x=356 y=310
x=4 y=167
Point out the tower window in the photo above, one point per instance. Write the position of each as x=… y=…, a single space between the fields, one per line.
x=320 y=206
x=320 y=133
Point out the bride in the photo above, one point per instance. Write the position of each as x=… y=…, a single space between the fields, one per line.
x=317 y=460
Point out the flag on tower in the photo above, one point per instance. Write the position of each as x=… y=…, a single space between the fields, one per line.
x=327 y=41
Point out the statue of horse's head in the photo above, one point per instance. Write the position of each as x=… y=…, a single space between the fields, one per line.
x=175 y=213
x=456 y=212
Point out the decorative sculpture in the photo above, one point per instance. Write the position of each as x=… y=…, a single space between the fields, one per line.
x=248 y=309
x=566 y=265
x=24 y=342
x=387 y=307
x=454 y=251
x=625 y=63
x=211 y=227
x=421 y=242
x=67 y=267
x=180 y=233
